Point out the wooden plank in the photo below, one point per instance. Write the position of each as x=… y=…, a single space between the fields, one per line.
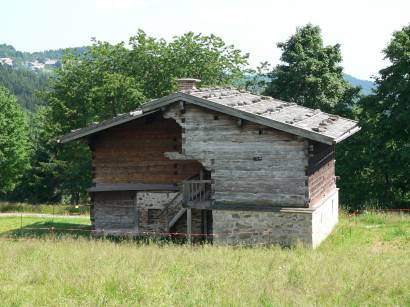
x=134 y=187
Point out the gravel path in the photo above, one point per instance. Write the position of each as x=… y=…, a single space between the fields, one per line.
x=42 y=215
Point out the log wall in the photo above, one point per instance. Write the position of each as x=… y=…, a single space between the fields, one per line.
x=321 y=172
x=134 y=153
x=250 y=164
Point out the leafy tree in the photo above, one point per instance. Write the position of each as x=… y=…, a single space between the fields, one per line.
x=383 y=159
x=41 y=183
x=106 y=80
x=13 y=141
x=311 y=74
x=157 y=63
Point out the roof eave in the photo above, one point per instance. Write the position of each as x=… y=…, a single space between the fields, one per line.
x=349 y=133
x=80 y=133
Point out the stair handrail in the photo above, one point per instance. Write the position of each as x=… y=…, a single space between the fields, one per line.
x=166 y=207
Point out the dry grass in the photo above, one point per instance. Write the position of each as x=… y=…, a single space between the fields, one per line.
x=365 y=262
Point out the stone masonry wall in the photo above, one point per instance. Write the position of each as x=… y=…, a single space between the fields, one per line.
x=285 y=227
x=248 y=227
x=148 y=201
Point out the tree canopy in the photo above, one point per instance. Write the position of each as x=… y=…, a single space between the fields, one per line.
x=311 y=73
x=380 y=157
x=13 y=141
x=106 y=80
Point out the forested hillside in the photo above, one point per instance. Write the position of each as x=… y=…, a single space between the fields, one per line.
x=26 y=80
x=24 y=84
x=21 y=57
x=365 y=85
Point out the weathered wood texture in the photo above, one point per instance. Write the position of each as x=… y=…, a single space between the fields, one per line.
x=320 y=172
x=249 y=163
x=114 y=210
x=197 y=226
x=134 y=153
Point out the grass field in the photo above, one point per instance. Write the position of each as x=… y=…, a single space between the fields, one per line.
x=366 y=261
x=6 y=207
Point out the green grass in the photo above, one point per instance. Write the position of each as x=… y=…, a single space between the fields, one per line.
x=366 y=261
x=59 y=209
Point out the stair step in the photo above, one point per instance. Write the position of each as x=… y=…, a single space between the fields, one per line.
x=176 y=217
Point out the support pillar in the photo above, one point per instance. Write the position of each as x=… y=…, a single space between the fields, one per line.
x=189 y=225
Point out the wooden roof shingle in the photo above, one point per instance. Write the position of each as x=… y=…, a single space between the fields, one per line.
x=286 y=116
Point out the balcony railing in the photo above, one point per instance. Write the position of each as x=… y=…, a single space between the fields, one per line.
x=197 y=193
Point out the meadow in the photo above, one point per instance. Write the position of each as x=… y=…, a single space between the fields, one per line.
x=364 y=262
x=60 y=209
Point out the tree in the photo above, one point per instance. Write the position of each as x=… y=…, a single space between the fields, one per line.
x=13 y=141
x=311 y=74
x=157 y=63
x=106 y=80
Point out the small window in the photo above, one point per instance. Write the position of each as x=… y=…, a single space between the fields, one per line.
x=260 y=131
x=153 y=216
x=216 y=117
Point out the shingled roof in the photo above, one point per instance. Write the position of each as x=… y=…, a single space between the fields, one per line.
x=289 y=117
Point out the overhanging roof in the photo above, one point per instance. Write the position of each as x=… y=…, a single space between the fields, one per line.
x=267 y=111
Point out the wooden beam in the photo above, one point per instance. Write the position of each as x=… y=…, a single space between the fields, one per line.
x=242 y=206
x=134 y=187
x=137 y=222
x=205 y=221
x=173 y=155
x=181 y=106
x=189 y=225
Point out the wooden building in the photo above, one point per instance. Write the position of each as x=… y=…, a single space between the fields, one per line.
x=217 y=163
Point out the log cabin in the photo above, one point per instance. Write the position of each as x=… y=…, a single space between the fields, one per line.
x=217 y=164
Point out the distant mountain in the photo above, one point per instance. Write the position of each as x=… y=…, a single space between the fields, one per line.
x=27 y=73
x=24 y=84
x=366 y=85
x=8 y=51
x=257 y=83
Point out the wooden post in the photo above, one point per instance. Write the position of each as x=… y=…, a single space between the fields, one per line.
x=189 y=225
x=137 y=213
x=205 y=219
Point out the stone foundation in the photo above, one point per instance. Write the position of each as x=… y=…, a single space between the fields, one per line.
x=129 y=211
x=307 y=226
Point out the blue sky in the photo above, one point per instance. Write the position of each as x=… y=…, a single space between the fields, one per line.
x=363 y=27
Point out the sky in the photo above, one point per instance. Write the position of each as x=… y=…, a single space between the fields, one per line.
x=362 y=27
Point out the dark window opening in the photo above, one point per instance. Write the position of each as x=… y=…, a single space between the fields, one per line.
x=153 y=216
x=216 y=117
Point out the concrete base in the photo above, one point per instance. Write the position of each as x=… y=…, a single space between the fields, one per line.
x=307 y=226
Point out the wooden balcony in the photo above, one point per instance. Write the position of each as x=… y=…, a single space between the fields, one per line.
x=197 y=194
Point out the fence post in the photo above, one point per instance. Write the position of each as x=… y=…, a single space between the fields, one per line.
x=21 y=219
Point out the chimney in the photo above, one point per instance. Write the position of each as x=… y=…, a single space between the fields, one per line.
x=186 y=84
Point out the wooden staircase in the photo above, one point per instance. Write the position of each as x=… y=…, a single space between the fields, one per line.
x=172 y=212
x=194 y=191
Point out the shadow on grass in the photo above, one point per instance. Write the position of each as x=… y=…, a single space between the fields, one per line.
x=60 y=230
x=47 y=229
